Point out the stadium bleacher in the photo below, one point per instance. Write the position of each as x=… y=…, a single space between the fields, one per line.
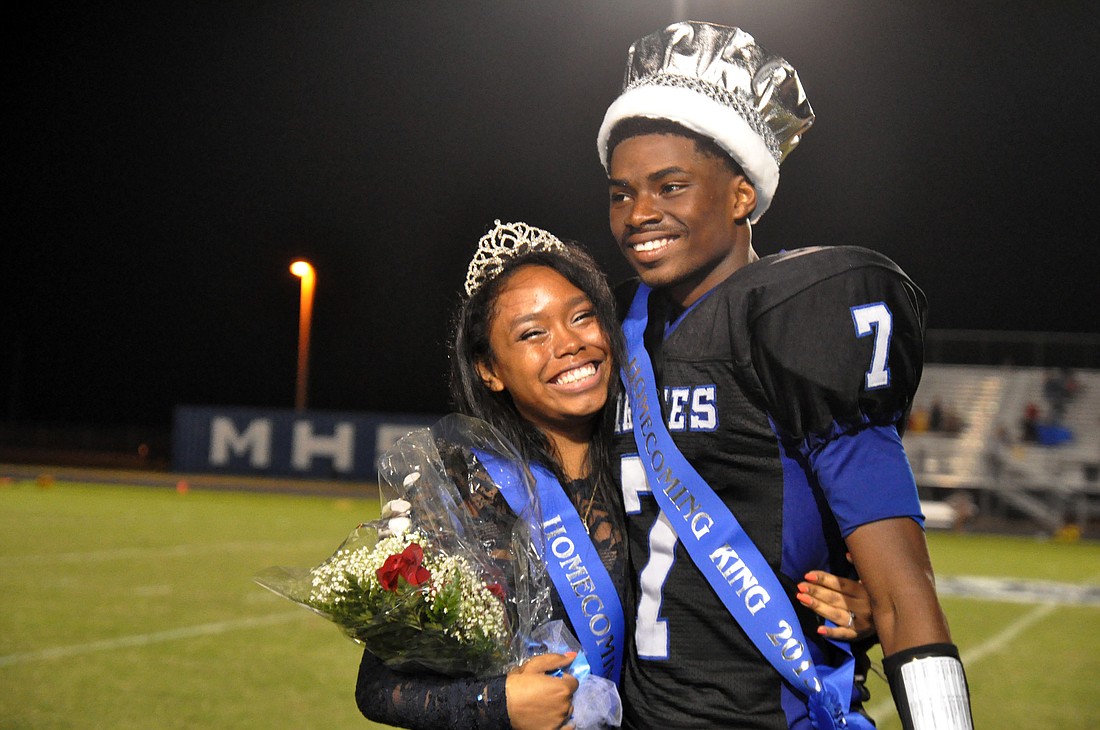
x=981 y=452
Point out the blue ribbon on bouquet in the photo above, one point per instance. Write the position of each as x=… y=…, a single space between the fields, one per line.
x=723 y=552
x=572 y=562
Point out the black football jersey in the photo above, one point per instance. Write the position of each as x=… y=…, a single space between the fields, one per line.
x=784 y=387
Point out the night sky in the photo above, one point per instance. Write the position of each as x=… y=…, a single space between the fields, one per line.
x=169 y=160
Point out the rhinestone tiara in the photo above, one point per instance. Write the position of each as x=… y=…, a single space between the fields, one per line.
x=502 y=243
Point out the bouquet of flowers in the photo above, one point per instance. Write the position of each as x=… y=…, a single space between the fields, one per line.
x=447 y=579
x=409 y=602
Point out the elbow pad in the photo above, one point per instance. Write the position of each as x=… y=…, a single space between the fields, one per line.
x=929 y=688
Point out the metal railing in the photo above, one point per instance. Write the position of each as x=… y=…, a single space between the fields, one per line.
x=1028 y=349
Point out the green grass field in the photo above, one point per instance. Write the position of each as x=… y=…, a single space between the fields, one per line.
x=133 y=607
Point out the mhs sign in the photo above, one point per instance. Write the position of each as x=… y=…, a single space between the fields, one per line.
x=320 y=445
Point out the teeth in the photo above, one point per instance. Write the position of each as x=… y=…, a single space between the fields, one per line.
x=572 y=376
x=652 y=245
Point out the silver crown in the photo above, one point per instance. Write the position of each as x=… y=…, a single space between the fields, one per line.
x=718 y=81
x=501 y=244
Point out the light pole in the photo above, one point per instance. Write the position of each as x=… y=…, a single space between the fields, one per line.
x=304 y=271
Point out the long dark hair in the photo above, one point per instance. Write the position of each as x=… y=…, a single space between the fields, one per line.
x=470 y=345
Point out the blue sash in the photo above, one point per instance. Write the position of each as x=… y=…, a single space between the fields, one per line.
x=721 y=549
x=583 y=583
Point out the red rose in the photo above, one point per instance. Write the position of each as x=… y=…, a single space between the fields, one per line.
x=496 y=589
x=407 y=565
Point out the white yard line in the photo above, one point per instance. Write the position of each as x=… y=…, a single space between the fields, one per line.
x=1001 y=639
x=187 y=632
x=1018 y=590
x=995 y=643
x=1007 y=635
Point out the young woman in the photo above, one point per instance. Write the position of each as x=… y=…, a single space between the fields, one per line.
x=534 y=353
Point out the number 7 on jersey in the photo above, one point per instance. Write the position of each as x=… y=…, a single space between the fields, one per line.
x=875 y=318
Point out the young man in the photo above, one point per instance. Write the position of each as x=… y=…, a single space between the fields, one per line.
x=759 y=438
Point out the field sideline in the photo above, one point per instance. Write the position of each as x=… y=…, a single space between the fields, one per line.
x=133 y=607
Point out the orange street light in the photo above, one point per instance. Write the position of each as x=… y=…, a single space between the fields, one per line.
x=304 y=271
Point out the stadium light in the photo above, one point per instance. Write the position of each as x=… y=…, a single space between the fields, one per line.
x=304 y=271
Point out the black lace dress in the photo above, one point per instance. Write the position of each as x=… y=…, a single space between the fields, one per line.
x=428 y=701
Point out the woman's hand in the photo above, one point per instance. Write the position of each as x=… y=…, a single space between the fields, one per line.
x=537 y=701
x=842 y=601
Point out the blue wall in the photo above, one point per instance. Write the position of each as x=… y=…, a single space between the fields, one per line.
x=312 y=444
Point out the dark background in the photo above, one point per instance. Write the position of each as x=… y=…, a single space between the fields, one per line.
x=168 y=160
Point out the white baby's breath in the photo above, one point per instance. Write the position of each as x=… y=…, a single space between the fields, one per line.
x=353 y=574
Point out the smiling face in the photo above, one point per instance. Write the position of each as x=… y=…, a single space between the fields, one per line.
x=548 y=351
x=678 y=214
